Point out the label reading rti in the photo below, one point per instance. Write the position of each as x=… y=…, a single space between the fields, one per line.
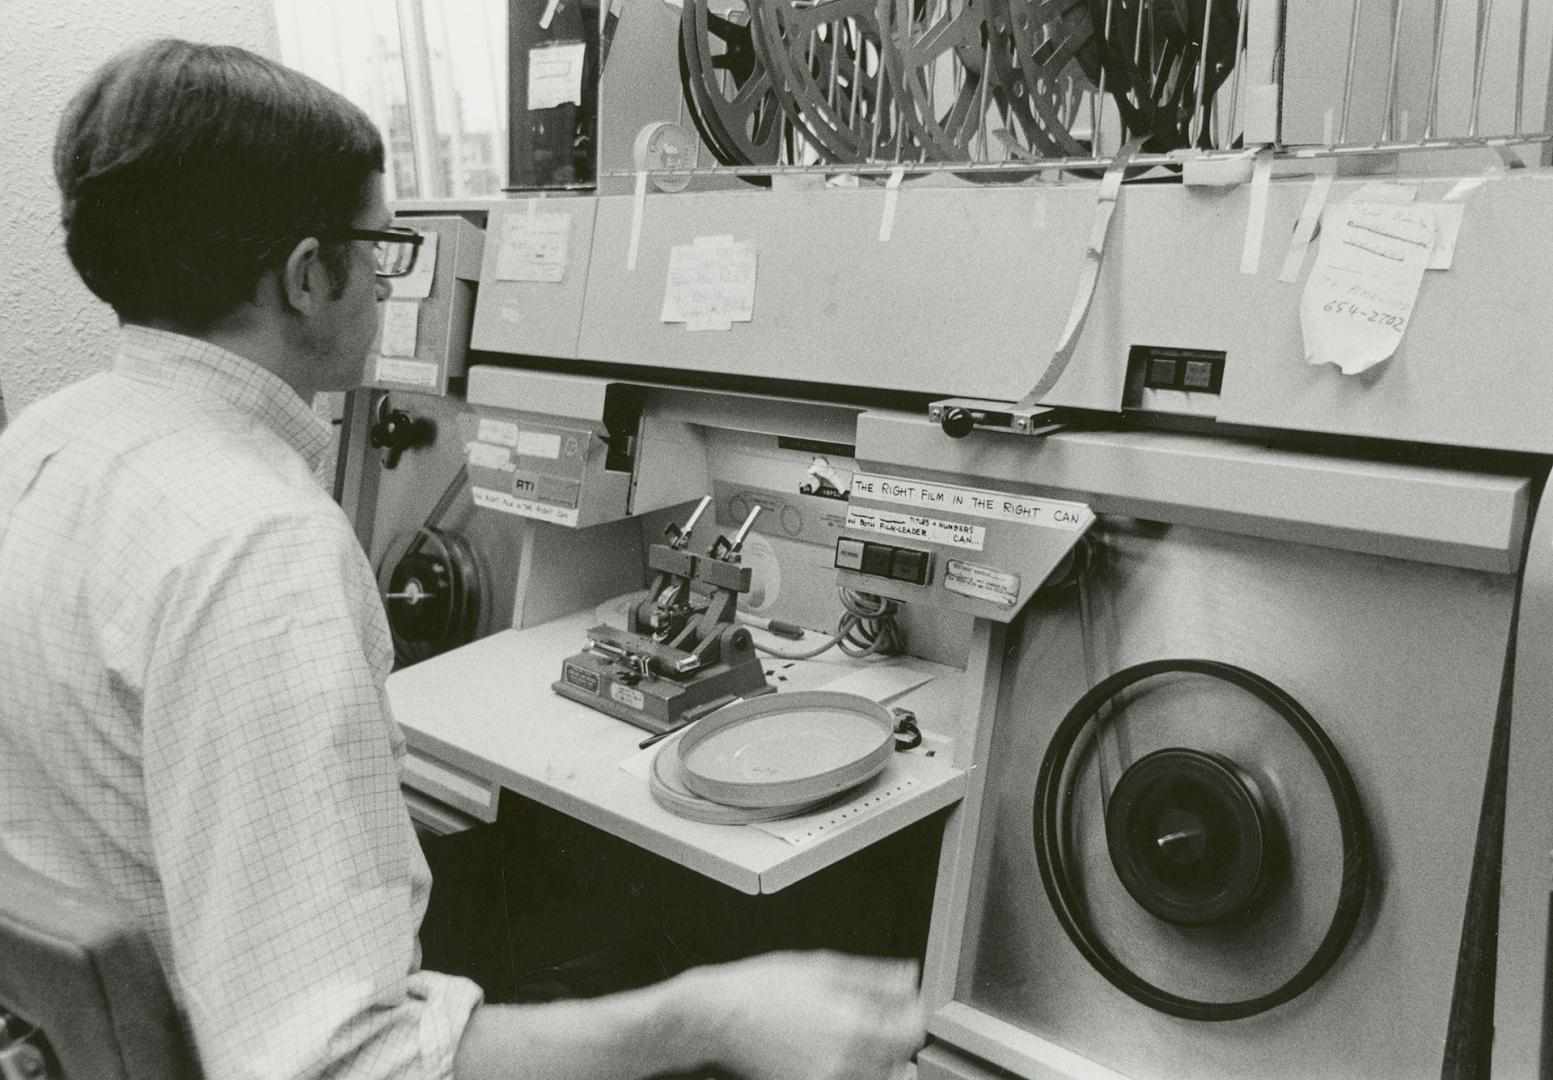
x=996 y=505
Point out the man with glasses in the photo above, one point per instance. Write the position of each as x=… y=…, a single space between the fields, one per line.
x=193 y=651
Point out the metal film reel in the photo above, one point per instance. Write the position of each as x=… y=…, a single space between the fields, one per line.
x=1163 y=61
x=433 y=595
x=1039 y=61
x=728 y=88
x=828 y=69
x=927 y=46
x=1199 y=846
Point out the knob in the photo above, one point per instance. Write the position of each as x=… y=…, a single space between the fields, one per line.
x=397 y=431
x=957 y=422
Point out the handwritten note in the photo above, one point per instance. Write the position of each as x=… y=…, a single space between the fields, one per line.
x=555 y=75
x=711 y=284
x=533 y=247
x=1361 y=291
x=401 y=321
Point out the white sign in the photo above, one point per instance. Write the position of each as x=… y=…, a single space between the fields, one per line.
x=401 y=323
x=1360 y=295
x=408 y=372
x=996 y=505
x=555 y=75
x=487 y=456
x=497 y=431
x=540 y=444
x=533 y=247
x=911 y=527
x=511 y=504
x=711 y=284
x=981 y=583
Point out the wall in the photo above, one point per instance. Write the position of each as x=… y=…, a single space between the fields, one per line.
x=52 y=330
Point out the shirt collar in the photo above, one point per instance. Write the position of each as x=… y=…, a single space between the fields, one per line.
x=169 y=359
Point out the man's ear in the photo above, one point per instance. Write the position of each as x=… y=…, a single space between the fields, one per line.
x=303 y=279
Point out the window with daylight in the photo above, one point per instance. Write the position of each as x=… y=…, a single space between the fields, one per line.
x=432 y=75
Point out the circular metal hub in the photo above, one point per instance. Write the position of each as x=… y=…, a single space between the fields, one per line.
x=1190 y=837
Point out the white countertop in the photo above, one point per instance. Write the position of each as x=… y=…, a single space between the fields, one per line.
x=485 y=716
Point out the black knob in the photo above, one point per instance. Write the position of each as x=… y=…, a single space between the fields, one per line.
x=398 y=431
x=957 y=422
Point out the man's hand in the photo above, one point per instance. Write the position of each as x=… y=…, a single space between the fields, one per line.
x=815 y=1016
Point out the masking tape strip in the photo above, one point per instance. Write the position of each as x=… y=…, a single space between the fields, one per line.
x=1105 y=209
x=1310 y=216
x=638 y=204
x=1256 y=214
x=549 y=13
x=892 y=190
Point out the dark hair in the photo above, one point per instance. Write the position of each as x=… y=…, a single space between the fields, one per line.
x=187 y=171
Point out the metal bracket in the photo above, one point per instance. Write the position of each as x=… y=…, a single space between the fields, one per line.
x=960 y=416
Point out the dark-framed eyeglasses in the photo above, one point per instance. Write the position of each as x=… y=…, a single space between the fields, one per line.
x=394 y=248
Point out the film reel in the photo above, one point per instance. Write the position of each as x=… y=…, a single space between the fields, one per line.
x=433 y=595
x=728 y=89
x=1194 y=842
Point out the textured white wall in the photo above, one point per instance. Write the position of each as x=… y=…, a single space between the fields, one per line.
x=52 y=330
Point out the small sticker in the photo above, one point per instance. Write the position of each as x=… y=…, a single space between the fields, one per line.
x=501 y=432
x=401 y=322
x=490 y=499
x=409 y=372
x=488 y=456
x=981 y=583
x=540 y=444
x=581 y=678
x=555 y=75
x=629 y=697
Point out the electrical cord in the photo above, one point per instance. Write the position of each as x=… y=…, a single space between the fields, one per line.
x=866 y=628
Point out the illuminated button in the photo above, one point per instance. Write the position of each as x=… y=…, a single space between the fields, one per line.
x=876 y=559
x=909 y=565
x=1162 y=374
x=849 y=554
x=1198 y=375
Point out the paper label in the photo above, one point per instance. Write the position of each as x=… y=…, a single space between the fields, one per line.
x=1025 y=509
x=533 y=247
x=416 y=285
x=408 y=372
x=555 y=75
x=711 y=284
x=497 y=431
x=1360 y=295
x=628 y=696
x=401 y=322
x=487 y=456
x=981 y=583
x=511 y=504
x=540 y=444
x=912 y=527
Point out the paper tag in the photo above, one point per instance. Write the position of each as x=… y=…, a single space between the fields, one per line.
x=1447 y=227
x=1025 y=509
x=892 y=191
x=489 y=456
x=408 y=372
x=710 y=284
x=500 y=432
x=1361 y=291
x=533 y=247
x=981 y=583
x=1256 y=213
x=555 y=75
x=1305 y=227
x=913 y=527
x=511 y=504
x=541 y=444
x=401 y=320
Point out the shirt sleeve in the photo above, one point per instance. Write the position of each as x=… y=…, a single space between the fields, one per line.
x=293 y=881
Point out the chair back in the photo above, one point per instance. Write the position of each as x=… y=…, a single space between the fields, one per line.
x=76 y=968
